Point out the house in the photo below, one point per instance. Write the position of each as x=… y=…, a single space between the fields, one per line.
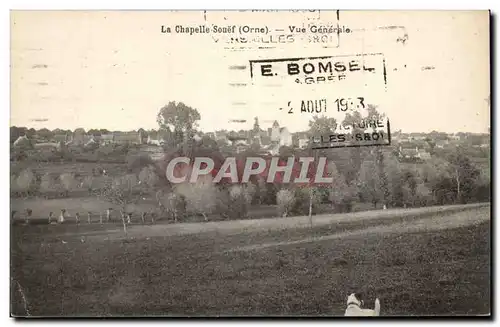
x=48 y=146
x=417 y=137
x=64 y=138
x=155 y=138
x=302 y=140
x=22 y=142
x=222 y=136
x=210 y=135
x=281 y=135
x=442 y=143
x=414 y=153
x=106 y=139
x=78 y=137
x=242 y=147
x=272 y=149
x=91 y=141
x=127 y=137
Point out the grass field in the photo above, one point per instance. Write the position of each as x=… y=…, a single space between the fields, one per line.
x=431 y=262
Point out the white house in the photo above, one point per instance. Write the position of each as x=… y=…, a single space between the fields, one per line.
x=281 y=135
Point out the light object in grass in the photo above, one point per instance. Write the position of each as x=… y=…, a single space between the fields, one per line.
x=354 y=307
x=61 y=216
x=28 y=215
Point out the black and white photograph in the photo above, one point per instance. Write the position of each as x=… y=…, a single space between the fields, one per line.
x=250 y=163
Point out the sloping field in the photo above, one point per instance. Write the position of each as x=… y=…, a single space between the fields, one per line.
x=419 y=263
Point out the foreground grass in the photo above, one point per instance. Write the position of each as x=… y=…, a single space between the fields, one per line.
x=443 y=272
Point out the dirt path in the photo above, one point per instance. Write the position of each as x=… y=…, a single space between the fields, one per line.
x=268 y=224
x=435 y=222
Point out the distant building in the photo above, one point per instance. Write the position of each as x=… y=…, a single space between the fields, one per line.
x=48 y=146
x=22 y=142
x=414 y=153
x=442 y=143
x=210 y=135
x=222 y=136
x=302 y=140
x=281 y=135
x=272 y=149
x=155 y=138
x=127 y=137
x=106 y=139
x=64 y=138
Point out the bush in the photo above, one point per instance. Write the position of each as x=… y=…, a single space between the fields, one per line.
x=148 y=177
x=200 y=196
x=68 y=182
x=176 y=206
x=286 y=200
x=302 y=198
x=47 y=184
x=136 y=162
x=26 y=182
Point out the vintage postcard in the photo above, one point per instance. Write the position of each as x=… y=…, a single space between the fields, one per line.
x=250 y=163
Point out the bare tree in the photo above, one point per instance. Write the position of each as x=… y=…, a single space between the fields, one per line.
x=26 y=182
x=200 y=196
x=285 y=200
x=122 y=192
x=68 y=182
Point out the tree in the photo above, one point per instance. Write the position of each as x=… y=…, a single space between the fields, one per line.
x=464 y=174
x=395 y=181
x=285 y=199
x=136 y=162
x=322 y=125
x=180 y=119
x=26 y=181
x=369 y=183
x=89 y=182
x=45 y=133
x=16 y=132
x=340 y=189
x=30 y=132
x=174 y=204
x=240 y=197
x=148 y=177
x=122 y=191
x=68 y=182
x=383 y=177
x=200 y=196
x=47 y=183
x=94 y=132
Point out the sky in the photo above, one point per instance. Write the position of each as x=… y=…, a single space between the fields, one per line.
x=116 y=69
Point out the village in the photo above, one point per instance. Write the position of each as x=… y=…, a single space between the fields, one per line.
x=266 y=141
